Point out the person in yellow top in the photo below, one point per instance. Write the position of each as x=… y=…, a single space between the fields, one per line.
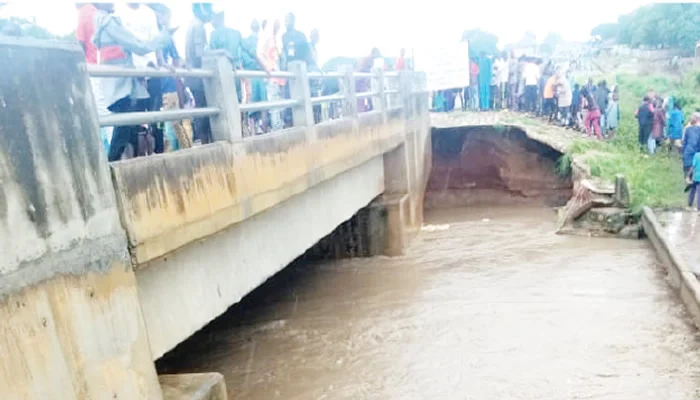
x=549 y=106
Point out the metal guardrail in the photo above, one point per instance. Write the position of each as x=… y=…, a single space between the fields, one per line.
x=262 y=74
x=268 y=105
x=327 y=99
x=365 y=95
x=113 y=71
x=223 y=100
x=152 y=117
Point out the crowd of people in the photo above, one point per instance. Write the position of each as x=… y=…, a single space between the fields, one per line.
x=140 y=35
x=547 y=90
x=529 y=84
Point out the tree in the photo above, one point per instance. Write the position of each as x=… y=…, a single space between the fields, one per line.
x=14 y=26
x=606 y=31
x=550 y=43
x=529 y=40
x=480 y=41
x=672 y=25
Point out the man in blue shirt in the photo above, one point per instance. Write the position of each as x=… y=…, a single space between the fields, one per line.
x=691 y=142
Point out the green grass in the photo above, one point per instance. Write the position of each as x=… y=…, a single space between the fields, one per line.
x=655 y=181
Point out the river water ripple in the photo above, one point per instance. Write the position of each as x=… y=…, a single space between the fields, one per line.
x=487 y=304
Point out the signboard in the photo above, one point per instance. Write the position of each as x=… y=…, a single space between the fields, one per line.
x=445 y=67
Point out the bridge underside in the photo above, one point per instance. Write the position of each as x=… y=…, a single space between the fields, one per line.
x=220 y=270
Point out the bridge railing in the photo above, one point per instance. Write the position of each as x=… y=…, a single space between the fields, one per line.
x=382 y=94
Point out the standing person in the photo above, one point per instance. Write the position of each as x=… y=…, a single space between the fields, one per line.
x=602 y=95
x=593 y=115
x=520 y=91
x=513 y=75
x=123 y=94
x=473 y=85
x=693 y=178
x=84 y=33
x=548 y=104
x=645 y=119
x=294 y=44
x=576 y=107
x=401 y=61
x=295 y=47
x=504 y=73
x=546 y=72
x=173 y=90
x=531 y=75
x=613 y=115
x=657 y=127
x=691 y=142
x=565 y=97
x=485 y=75
x=230 y=41
x=675 y=130
x=195 y=45
x=269 y=54
x=255 y=90
x=315 y=85
x=143 y=23
x=495 y=81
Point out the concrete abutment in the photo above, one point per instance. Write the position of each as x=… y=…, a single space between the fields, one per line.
x=107 y=267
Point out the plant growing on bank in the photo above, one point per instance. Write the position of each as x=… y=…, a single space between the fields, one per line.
x=655 y=181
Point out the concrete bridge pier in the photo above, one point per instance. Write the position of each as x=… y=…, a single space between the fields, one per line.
x=71 y=321
x=104 y=268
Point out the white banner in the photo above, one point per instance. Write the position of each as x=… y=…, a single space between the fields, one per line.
x=446 y=66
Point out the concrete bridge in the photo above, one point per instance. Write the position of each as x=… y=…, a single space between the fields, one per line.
x=105 y=267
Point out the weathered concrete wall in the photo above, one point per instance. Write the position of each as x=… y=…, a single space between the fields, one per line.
x=191 y=286
x=679 y=275
x=170 y=200
x=70 y=321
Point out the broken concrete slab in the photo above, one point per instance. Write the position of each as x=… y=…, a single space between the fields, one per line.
x=205 y=386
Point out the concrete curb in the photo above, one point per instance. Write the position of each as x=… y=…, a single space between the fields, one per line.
x=681 y=278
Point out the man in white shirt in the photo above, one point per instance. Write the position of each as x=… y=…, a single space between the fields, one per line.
x=143 y=23
x=504 y=72
x=531 y=75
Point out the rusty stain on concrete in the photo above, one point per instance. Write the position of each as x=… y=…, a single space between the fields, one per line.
x=170 y=200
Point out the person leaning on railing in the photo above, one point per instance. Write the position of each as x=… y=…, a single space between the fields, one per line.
x=122 y=93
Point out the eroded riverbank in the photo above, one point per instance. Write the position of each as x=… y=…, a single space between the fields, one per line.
x=493 y=306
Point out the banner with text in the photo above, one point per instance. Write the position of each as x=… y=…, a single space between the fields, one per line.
x=446 y=66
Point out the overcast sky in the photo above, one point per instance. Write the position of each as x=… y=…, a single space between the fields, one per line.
x=353 y=27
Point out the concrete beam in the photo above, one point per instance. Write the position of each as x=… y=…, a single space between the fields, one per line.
x=170 y=200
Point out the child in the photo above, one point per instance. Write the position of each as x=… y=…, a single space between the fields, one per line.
x=693 y=179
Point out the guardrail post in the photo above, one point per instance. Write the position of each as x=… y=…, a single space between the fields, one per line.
x=350 y=106
x=378 y=87
x=405 y=91
x=221 y=92
x=303 y=113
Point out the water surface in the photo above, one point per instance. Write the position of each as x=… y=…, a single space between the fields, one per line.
x=488 y=304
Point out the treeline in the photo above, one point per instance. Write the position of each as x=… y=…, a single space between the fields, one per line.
x=666 y=25
x=15 y=26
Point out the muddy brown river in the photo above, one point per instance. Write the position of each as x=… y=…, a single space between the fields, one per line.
x=487 y=304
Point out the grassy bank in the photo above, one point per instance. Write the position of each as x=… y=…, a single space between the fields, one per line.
x=655 y=181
